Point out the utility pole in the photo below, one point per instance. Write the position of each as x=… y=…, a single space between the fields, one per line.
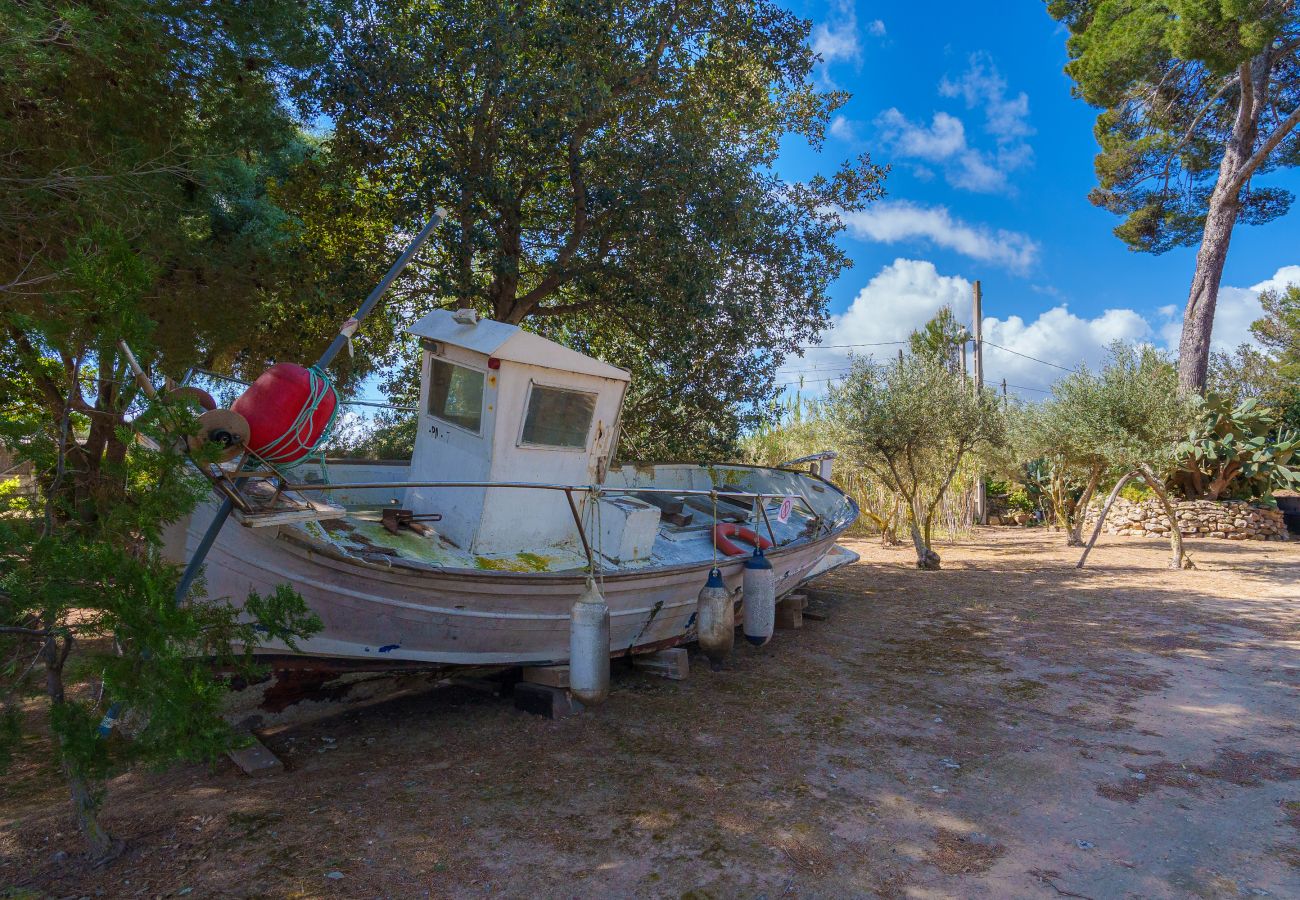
x=977 y=322
x=1004 y=395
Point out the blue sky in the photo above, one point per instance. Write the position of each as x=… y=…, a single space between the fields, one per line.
x=992 y=164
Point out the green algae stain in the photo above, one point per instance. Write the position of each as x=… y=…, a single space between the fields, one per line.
x=522 y=562
x=534 y=562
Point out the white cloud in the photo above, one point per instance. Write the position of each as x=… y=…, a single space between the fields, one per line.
x=876 y=28
x=1236 y=309
x=844 y=129
x=897 y=220
x=983 y=87
x=905 y=294
x=836 y=39
x=945 y=140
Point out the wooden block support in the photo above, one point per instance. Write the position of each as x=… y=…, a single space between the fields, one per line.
x=543 y=700
x=256 y=759
x=551 y=676
x=674 y=664
x=789 y=612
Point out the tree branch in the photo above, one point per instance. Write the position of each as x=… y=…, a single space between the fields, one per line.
x=1258 y=158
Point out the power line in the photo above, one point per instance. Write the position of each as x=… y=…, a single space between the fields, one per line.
x=1027 y=356
x=1019 y=387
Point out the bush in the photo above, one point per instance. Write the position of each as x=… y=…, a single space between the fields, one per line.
x=1018 y=498
x=1238 y=452
x=1136 y=492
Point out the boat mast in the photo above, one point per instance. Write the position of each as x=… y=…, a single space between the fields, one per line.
x=340 y=340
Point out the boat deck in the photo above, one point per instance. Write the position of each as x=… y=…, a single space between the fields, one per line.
x=360 y=533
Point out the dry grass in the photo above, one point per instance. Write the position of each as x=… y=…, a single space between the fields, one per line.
x=968 y=732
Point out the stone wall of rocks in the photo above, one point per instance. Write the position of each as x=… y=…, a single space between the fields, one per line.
x=1233 y=519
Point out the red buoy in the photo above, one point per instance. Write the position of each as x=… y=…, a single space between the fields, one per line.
x=288 y=409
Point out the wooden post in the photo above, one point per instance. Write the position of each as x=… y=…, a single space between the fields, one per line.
x=977 y=323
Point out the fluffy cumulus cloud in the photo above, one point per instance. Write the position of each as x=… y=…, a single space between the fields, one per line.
x=844 y=129
x=897 y=220
x=836 y=39
x=1236 y=310
x=944 y=141
x=906 y=293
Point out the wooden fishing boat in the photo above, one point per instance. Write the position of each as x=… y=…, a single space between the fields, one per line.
x=474 y=551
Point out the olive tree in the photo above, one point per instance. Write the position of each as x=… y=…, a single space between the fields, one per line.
x=1135 y=420
x=911 y=423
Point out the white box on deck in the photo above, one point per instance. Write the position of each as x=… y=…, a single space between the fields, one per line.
x=625 y=529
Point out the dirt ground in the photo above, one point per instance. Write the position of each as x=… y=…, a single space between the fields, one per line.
x=1007 y=727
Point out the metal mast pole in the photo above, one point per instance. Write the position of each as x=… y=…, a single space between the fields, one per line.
x=340 y=340
x=977 y=322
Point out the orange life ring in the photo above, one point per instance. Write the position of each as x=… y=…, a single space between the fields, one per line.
x=725 y=530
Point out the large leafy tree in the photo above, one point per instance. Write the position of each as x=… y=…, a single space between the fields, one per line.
x=143 y=143
x=607 y=169
x=1198 y=98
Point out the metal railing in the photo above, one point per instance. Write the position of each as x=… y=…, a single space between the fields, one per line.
x=591 y=490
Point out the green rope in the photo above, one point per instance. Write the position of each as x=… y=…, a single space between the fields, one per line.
x=293 y=440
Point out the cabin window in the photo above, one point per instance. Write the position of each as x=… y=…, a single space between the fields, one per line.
x=456 y=394
x=558 y=418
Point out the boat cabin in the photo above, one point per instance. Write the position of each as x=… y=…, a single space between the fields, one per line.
x=500 y=404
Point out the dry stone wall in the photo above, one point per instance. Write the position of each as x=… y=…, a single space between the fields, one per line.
x=1236 y=520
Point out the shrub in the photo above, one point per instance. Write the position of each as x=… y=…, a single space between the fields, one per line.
x=1237 y=452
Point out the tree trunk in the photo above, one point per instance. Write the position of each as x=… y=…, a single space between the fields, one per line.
x=1075 y=538
x=1101 y=518
x=926 y=558
x=1221 y=216
x=1180 y=559
x=100 y=845
x=1198 y=319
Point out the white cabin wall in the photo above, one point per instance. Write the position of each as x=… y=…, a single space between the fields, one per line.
x=446 y=452
x=516 y=519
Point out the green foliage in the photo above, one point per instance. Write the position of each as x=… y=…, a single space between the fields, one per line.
x=942 y=336
x=1237 y=452
x=911 y=424
x=144 y=146
x=1018 y=498
x=154 y=135
x=1136 y=492
x=1134 y=415
x=1168 y=75
x=608 y=172
x=86 y=585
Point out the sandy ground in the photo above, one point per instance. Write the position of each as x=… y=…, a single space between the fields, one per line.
x=1007 y=727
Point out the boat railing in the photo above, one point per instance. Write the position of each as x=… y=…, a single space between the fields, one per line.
x=592 y=490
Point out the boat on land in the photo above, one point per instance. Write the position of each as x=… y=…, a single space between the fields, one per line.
x=474 y=551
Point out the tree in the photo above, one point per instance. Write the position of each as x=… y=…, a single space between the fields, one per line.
x=911 y=423
x=1198 y=98
x=942 y=336
x=143 y=145
x=607 y=168
x=1135 y=423
x=1057 y=438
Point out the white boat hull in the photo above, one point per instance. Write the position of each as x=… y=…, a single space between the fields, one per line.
x=395 y=615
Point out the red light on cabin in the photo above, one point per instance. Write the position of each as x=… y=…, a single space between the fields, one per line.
x=494 y=363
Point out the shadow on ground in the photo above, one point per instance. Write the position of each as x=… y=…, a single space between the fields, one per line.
x=1010 y=726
